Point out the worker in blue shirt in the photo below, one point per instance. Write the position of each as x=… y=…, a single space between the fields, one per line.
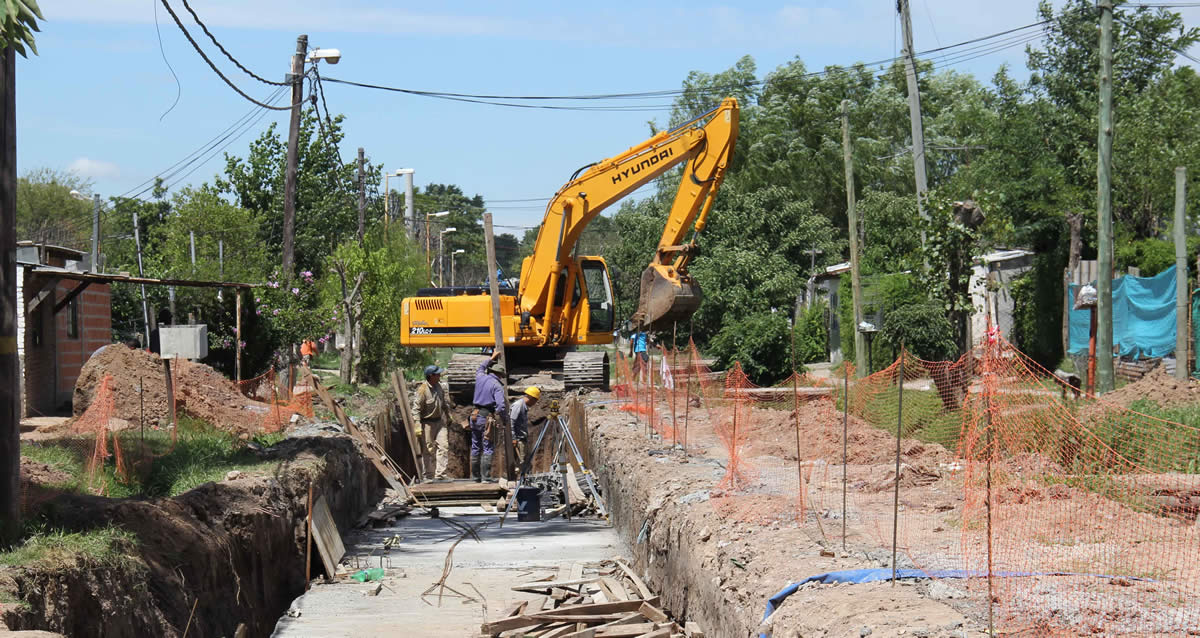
x=639 y=350
x=490 y=408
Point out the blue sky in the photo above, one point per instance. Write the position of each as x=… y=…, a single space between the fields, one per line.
x=94 y=100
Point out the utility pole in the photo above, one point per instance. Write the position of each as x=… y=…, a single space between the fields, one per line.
x=861 y=362
x=362 y=197
x=510 y=453
x=192 y=242
x=137 y=242
x=914 y=111
x=293 y=152
x=1104 y=326
x=1181 y=276
x=10 y=374
x=96 y=233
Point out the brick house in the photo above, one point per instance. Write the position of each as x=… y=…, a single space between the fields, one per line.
x=65 y=321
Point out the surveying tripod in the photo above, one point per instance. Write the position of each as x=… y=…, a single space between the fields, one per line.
x=558 y=465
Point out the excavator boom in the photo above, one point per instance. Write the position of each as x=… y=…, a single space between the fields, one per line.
x=706 y=144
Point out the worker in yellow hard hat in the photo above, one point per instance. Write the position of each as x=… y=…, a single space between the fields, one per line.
x=519 y=414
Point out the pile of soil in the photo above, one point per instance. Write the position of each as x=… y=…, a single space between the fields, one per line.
x=199 y=390
x=34 y=472
x=1156 y=386
x=773 y=433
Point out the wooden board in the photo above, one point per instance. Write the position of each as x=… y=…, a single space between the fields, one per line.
x=459 y=489
x=328 y=540
x=643 y=591
x=400 y=387
x=577 y=613
x=371 y=449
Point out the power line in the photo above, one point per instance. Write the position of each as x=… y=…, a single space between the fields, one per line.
x=227 y=53
x=161 y=50
x=212 y=66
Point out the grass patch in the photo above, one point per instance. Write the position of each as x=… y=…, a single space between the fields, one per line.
x=158 y=466
x=925 y=417
x=327 y=360
x=48 y=546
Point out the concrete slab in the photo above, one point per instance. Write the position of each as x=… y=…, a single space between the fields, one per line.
x=483 y=572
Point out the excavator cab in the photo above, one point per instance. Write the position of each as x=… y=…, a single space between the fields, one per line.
x=601 y=307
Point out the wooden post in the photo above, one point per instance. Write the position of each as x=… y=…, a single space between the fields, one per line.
x=1181 y=276
x=914 y=111
x=510 y=452
x=860 y=349
x=10 y=393
x=289 y=174
x=237 y=335
x=1104 y=272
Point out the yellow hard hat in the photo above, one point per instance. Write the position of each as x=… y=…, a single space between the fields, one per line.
x=534 y=392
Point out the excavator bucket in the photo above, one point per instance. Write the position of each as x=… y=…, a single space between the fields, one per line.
x=666 y=297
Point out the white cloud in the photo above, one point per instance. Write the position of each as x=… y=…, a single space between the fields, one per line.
x=94 y=169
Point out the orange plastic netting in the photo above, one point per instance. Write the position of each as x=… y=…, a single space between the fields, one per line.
x=1069 y=515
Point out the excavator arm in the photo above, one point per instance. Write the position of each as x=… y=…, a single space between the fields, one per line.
x=706 y=144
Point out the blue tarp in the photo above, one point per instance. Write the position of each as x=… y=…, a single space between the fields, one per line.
x=859 y=576
x=1143 y=316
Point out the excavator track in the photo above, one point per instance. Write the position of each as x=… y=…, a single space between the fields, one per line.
x=460 y=376
x=586 y=370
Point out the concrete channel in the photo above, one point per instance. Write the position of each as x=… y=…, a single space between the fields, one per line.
x=480 y=574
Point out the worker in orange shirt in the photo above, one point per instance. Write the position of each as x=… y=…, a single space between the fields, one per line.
x=308 y=349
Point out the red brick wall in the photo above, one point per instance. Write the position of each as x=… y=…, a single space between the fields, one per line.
x=95 y=332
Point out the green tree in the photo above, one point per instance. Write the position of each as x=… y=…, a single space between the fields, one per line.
x=18 y=22
x=391 y=267
x=48 y=213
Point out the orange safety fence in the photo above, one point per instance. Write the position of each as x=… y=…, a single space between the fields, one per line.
x=1074 y=515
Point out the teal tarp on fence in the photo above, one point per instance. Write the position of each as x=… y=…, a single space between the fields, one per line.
x=1143 y=316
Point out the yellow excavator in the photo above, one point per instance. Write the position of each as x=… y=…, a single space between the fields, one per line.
x=565 y=300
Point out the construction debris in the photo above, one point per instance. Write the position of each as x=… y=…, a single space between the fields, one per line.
x=594 y=600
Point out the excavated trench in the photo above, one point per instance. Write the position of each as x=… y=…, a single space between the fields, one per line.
x=218 y=557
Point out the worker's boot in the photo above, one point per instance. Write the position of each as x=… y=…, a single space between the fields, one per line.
x=487 y=467
x=475 y=467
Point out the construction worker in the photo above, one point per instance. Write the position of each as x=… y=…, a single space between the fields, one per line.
x=490 y=408
x=519 y=413
x=433 y=414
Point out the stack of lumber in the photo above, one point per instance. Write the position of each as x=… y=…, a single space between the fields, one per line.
x=596 y=600
x=451 y=493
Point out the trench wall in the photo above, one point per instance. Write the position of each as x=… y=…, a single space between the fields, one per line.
x=234 y=551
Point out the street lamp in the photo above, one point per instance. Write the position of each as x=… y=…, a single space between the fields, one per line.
x=452 y=255
x=441 y=261
x=387 y=192
x=332 y=56
x=428 y=258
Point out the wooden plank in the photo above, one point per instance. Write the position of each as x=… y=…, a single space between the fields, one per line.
x=597 y=612
x=41 y=296
x=643 y=591
x=540 y=585
x=653 y=613
x=329 y=541
x=625 y=631
x=576 y=570
x=615 y=588
x=400 y=388
x=70 y=296
x=693 y=630
x=371 y=449
x=515 y=609
x=464 y=489
x=590 y=632
x=665 y=632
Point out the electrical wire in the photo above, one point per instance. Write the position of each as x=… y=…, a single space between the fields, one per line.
x=196 y=46
x=161 y=50
x=227 y=53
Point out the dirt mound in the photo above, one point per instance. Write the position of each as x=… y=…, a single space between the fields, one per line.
x=773 y=433
x=41 y=473
x=1156 y=386
x=200 y=391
